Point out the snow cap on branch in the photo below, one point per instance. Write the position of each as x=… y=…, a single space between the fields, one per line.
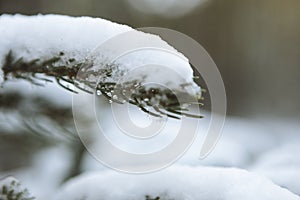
x=59 y=46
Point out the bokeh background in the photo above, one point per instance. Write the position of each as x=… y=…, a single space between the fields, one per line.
x=255 y=43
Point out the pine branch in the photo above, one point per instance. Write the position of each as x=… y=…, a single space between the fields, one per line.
x=155 y=101
x=163 y=196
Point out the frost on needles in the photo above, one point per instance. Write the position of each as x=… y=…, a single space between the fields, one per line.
x=56 y=48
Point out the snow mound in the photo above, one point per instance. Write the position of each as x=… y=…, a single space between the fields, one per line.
x=281 y=165
x=174 y=183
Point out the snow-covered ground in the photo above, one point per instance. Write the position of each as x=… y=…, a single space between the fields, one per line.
x=176 y=182
x=266 y=148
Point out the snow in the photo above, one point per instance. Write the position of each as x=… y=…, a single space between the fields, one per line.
x=46 y=36
x=240 y=143
x=176 y=182
x=248 y=144
x=245 y=144
x=282 y=166
x=11 y=188
x=167 y=8
x=41 y=36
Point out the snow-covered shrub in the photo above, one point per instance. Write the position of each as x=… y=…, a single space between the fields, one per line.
x=11 y=189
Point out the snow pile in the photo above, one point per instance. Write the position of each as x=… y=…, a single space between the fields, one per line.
x=281 y=165
x=246 y=144
x=176 y=183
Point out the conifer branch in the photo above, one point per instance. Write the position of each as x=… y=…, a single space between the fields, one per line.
x=155 y=101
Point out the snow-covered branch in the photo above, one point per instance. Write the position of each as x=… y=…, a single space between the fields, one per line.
x=55 y=48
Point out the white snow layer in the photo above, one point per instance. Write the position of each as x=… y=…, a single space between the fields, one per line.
x=45 y=36
x=178 y=183
x=244 y=144
x=282 y=166
x=166 y=8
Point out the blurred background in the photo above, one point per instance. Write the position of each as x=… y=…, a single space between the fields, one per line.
x=255 y=44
